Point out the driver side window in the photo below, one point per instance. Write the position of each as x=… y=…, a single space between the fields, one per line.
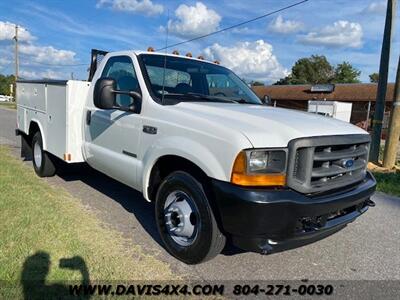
x=121 y=69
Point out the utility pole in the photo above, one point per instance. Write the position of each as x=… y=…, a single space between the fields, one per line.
x=382 y=83
x=16 y=52
x=392 y=141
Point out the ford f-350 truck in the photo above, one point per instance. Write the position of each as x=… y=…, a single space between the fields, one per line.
x=217 y=162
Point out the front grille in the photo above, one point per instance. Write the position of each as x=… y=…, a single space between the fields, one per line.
x=320 y=164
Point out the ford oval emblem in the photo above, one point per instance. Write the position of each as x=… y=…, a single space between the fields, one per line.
x=348 y=163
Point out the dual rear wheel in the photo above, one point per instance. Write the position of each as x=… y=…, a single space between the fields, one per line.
x=42 y=163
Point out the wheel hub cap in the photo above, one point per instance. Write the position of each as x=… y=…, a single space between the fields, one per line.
x=37 y=154
x=180 y=218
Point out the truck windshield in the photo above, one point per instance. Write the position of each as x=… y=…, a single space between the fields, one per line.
x=191 y=80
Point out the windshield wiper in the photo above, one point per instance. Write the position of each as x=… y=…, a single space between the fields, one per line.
x=221 y=99
x=211 y=98
x=206 y=98
x=198 y=97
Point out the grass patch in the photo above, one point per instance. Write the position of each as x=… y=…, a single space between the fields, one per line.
x=46 y=234
x=11 y=105
x=388 y=182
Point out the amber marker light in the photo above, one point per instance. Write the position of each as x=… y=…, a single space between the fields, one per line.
x=240 y=176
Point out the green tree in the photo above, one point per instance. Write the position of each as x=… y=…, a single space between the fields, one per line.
x=317 y=70
x=5 y=81
x=346 y=73
x=256 y=83
x=374 y=77
x=313 y=70
x=284 y=81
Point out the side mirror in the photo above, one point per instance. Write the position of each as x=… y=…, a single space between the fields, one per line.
x=266 y=100
x=104 y=93
x=104 y=96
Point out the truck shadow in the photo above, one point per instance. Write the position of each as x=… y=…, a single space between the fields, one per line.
x=131 y=200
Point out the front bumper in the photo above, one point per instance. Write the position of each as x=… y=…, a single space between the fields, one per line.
x=267 y=221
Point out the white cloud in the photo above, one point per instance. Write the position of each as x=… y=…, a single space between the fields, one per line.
x=340 y=34
x=252 y=60
x=192 y=21
x=32 y=54
x=7 y=32
x=279 y=25
x=4 y=61
x=146 y=7
x=47 y=54
x=376 y=8
x=47 y=74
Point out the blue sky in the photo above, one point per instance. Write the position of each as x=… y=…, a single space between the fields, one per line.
x=56 y=36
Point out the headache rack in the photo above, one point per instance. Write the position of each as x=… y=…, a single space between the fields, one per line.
x=319 y=164
x=96 y=58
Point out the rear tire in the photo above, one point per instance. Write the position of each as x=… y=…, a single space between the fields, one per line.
x=42 y=163
x=185 y=220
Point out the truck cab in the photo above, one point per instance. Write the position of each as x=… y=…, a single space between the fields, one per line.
x=217 y=162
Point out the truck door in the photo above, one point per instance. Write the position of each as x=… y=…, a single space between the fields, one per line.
x=112 y=135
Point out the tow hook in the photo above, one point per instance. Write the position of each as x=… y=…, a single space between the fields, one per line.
x=370 y=203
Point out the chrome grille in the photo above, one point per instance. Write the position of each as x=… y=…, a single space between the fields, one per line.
x=320 y=164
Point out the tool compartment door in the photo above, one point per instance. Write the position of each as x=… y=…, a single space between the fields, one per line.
x=56 y=119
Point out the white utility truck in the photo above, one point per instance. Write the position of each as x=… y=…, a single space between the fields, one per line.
x=193 y=138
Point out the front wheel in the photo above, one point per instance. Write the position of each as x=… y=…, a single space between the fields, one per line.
x=185 y=219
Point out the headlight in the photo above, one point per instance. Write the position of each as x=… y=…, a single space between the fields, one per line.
x=260 y=168
x=267 y=161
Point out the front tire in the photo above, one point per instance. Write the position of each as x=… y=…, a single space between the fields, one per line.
x=42 y=163
x=185 y=220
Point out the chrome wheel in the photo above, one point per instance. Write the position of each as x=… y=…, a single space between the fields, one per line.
x=37 y=154
x=181 y=218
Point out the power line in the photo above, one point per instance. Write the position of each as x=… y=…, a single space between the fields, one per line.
x=26 y=62
x=60 y=65
x=234 y=26
x=193 y=39
x=36 y=64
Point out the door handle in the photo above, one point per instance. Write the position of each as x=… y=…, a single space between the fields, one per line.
x=149 y=129
x=88 y=117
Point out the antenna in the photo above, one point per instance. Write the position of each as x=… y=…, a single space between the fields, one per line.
x=165 y=59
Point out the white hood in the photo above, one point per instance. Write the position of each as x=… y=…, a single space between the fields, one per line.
x=267 y=126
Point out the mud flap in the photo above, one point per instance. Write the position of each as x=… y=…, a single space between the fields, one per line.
x=26 y=148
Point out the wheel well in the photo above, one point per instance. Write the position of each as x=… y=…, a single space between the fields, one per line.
x=165 y=165
x=33 y=128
